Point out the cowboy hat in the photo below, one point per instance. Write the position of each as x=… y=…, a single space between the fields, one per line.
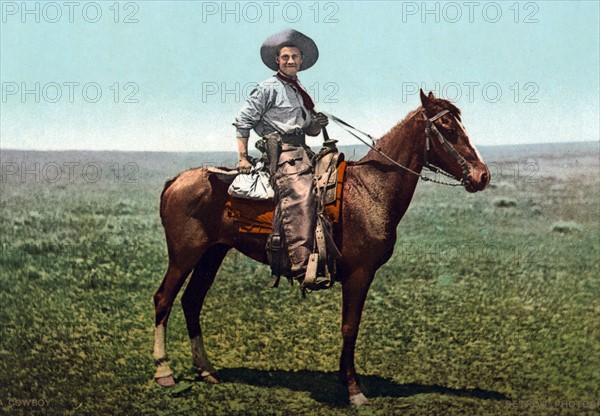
x=289 y=37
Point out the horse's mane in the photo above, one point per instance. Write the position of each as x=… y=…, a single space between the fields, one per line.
x=402 y=123
x=439 y=104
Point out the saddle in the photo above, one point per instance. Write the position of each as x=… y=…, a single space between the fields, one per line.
x=256 y=217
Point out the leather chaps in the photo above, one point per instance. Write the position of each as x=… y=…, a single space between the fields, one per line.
x=293 y=237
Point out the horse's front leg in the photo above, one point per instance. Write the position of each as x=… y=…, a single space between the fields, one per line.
x=354 y=293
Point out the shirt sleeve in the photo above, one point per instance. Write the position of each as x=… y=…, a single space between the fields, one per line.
x=252 y=111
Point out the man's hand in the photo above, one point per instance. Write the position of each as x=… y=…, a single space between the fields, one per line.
x=321 y=120
x=317 y=122
x=244 y=166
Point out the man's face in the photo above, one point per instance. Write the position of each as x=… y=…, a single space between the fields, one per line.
x=289 y=60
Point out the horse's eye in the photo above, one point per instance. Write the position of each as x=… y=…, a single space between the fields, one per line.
x=446 y=128
x=449 y=132
x=446 y=122
x=452 y=136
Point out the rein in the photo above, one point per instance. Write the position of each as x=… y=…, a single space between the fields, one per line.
x=429 y=128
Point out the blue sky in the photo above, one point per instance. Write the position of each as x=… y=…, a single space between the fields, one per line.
x=151 y=75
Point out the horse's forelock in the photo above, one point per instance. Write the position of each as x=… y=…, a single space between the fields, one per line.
x=447 y=105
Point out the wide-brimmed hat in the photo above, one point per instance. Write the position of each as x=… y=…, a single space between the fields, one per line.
x=288 y=37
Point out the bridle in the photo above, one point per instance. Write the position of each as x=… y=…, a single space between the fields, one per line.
x=429 y=129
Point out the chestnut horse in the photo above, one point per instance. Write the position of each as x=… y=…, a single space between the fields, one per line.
x=376 y=193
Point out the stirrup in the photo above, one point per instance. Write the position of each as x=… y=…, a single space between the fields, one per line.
x=321 y=282
x=314 y=280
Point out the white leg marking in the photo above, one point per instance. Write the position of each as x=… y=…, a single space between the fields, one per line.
x=160 y=353
x=160 y=339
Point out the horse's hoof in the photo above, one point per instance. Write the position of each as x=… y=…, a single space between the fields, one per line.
x=359 y=399
x=166 y=381
x=212 y=378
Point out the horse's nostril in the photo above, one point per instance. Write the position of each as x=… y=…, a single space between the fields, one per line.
x=484 y=177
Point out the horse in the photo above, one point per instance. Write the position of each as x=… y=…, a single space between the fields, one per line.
x=376 y=194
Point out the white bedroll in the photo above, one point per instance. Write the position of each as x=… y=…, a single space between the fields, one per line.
x=254 y=185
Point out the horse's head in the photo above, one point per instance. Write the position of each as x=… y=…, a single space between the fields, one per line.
x=449 y=147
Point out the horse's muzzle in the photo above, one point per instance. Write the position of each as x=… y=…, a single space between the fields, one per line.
x=478 y=178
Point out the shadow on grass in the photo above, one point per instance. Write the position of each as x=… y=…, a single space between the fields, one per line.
x=325 y=387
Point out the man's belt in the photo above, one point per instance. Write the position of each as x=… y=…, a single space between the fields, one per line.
x=297 y=138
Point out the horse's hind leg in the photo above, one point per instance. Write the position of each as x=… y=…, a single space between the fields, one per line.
x=192 y=301
x=163 y=302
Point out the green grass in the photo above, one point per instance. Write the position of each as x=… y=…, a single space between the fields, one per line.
x=485 y=308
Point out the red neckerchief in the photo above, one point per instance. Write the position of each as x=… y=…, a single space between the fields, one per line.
x=308 y=102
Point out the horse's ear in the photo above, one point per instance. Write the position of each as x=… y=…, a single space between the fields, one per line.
x=431 y=96
x=424 y=99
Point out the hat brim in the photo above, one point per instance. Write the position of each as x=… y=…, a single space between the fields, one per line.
x=270 y=47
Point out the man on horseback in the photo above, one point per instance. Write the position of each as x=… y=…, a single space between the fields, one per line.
x=282 y=113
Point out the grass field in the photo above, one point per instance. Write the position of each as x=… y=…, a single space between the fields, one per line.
x=489 y=306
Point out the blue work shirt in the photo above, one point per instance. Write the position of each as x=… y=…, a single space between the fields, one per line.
x=274 y=106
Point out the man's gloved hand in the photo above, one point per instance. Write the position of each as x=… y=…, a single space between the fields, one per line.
x=317 y=122
x=322 y=120
x=244 y=166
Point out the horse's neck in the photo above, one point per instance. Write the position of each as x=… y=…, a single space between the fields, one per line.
x=405 y=144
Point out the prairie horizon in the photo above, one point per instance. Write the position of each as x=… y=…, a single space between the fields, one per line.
x=489 y=149
x=507 y=163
